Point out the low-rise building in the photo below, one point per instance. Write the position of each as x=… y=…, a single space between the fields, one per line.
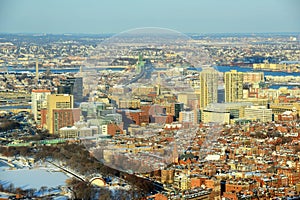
x=259 y=113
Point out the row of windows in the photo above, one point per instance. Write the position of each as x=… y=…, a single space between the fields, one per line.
x=63 y=105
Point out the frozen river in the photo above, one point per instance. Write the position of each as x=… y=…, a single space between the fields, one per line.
x=31 y=178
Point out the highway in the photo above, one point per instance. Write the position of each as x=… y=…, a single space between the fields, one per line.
x=146 y=70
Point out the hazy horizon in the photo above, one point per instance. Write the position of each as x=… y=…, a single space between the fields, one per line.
x=114 y=33
x=110 y=17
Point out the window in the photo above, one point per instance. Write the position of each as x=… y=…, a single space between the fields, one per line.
x=62 y=104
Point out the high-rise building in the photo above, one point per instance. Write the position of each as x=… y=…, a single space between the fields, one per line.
x=56 y=103
x=233 y=86
x=39 y=101
x=178 y=107
x=72 y=86
x=208 y=87
x=65 y=117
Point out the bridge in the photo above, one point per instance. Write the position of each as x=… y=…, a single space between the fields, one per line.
x=114 y=67
x=68 y=171
x=107 y=67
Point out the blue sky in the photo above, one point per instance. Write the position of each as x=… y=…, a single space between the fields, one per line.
x=113 y=16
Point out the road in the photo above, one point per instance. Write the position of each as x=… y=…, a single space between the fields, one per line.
x=146 y=71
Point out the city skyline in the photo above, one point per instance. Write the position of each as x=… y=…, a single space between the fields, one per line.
x=115 y=16
x=185 y=100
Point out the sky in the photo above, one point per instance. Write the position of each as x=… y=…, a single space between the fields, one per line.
x=113 y=16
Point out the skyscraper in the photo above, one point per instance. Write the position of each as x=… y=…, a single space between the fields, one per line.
x=72 y=86
x=39 y=101
x=62 y=105
x=233 y=86
x=178 y=107
x=208 y=87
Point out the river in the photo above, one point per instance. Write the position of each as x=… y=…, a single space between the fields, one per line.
x=219 y=68
x=250 y=69
x=54 y=70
